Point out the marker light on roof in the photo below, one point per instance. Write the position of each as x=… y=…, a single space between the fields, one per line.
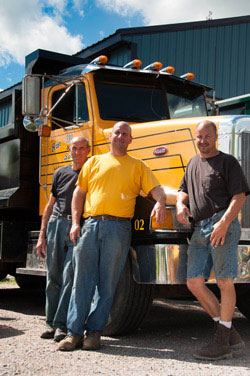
x=154 y=66
x=169 y=70
x=188 y=76
x=134 y=64
x=100 y=60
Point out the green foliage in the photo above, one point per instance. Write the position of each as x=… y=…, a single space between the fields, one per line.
x=8 y=281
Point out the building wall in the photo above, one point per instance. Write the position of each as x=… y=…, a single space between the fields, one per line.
x=218 y=56
x=217 y=51
x=120 y=56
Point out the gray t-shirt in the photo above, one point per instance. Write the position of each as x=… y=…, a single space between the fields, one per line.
x=63 y=185
x=211 y=183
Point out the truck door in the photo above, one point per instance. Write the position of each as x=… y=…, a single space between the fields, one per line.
x=71 y=117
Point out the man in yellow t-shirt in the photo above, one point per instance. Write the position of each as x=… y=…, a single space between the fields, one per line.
x=109 y=185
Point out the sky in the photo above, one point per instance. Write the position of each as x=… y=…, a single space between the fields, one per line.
x=68 y=26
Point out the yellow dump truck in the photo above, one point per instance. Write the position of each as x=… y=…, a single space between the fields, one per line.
x=163 y=110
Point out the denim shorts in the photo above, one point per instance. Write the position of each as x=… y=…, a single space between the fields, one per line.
x=202 y=256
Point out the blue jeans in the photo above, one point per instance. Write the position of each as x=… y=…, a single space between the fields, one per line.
x=202 y=256
x=59 y=271
x=99 y=258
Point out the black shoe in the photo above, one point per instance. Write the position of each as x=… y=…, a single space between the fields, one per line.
x=48 y=334
x=60 y=334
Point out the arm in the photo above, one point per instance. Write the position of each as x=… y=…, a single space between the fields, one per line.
x=182 y=211
x=220 y=228
x=159 y=209
x=41 y=243
x=77 y=204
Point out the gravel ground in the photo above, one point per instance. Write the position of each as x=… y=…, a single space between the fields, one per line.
x=163 y=346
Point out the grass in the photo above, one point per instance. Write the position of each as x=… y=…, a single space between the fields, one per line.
x=9 y=280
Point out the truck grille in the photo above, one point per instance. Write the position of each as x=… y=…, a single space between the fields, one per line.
x=245 y=164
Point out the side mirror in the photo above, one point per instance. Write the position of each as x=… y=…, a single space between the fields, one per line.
x=29 y=124
x=32 y=123
x=31 y=96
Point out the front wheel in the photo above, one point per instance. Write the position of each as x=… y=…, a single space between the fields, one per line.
x=131 y=303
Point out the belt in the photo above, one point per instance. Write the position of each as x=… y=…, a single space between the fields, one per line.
x=107 y=217
x=67 y=216
x=213 y=219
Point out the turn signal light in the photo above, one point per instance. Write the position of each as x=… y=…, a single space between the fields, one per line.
x=188 y=76
x=134 y=64
x=100 y=60
x=166 y=225
x=154 y=66
x=169 y=70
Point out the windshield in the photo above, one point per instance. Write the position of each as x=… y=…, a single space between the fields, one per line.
x=181 y=107
x=71 y=108
x=141 y=98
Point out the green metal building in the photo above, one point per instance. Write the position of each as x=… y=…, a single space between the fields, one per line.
x=216 y=51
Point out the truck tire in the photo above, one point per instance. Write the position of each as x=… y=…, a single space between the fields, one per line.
x=243 y=303
x=131 y=303
x=30 y=282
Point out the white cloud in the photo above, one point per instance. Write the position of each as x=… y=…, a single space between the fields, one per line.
x=102 y=34
x=25 y=27
x=57 y=5
x=169 y=11
x=78 y=6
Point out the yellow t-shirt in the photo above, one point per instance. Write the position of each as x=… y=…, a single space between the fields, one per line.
x=113 y=183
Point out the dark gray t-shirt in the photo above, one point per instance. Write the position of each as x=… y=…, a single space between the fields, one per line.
x=63 y=185
x=211 y=183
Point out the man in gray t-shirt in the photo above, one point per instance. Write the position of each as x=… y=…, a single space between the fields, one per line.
x=212 y=193
x=55 y=226
x=211 y=183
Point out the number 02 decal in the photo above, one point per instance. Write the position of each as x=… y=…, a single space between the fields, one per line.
x=139 y=225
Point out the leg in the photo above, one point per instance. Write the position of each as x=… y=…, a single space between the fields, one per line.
x=115 y=237
x=205 y=296
x=227 y=307
x=228 y=298
x=225 y=339
x=56 y=253
x=85 y=263
x=199 y=264
x=226 y=269
x=94 y=301
x=60 y=319
x=225 y=266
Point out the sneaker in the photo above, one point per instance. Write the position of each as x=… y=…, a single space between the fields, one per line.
x=60 y=334
x=48 y=333
x=218 y=348
x=235 y=340
x=70 y=343
x=92 y=341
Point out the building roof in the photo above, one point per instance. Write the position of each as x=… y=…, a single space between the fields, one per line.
x=115 y=39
